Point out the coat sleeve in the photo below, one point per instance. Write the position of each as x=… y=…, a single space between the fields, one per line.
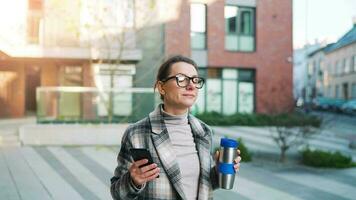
x=121 y=183
x=214 y=179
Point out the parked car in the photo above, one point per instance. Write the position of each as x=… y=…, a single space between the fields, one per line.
x=323 y=103
x=349 y=107
x=337 y=103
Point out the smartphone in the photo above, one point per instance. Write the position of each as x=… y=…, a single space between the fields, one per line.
x=141 y=153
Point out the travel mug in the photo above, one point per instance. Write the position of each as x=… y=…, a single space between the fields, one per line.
x=226 y=171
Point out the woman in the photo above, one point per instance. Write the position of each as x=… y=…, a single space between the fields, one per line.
x=179 y=143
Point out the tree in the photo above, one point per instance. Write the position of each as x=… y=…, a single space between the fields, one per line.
x=112 y=30
x=290 y=129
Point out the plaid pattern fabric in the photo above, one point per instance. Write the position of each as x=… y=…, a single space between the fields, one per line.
x=151 y=133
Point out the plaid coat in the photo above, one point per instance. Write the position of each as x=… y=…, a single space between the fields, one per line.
x=151 y=133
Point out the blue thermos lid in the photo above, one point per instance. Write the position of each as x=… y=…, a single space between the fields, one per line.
x=226 y=142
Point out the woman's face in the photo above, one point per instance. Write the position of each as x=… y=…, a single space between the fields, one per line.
x=176 y=96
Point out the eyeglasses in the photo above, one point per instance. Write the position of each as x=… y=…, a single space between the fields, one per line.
x=184 y=80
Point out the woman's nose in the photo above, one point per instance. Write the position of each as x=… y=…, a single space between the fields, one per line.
x=190 y=86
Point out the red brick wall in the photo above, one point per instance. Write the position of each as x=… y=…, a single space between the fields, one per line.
x=177 y=31
x=273 y=47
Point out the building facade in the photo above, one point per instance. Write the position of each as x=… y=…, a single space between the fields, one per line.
x=63 y=44
x=243 y=49
x=332 y=69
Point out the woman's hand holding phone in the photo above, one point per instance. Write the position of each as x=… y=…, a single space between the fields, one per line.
x=143 y=169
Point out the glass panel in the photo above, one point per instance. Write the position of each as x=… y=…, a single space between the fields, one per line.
x=70 y=102
x=214 y=73
x=197 y=18
x=229 y=97
x=230 y=19
x=197 y=40
x=229 y=74
x=246 y=22
x=246 y=75
x=49 y=111
x=200 y=103
x=246 y=97
x=123 y=101
x=231 y=42
x=214 y=95
x=246 y=43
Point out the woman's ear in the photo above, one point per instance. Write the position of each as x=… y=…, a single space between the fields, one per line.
x=159 y=86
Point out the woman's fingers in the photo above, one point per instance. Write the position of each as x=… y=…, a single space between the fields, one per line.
x=143 y=174
x=140 y=162
x=216 y=156
x=238 y=159
x=148 y=167
x=150 y=173
x=238 y=152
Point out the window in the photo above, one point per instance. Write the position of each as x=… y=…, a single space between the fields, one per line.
x=353 y=91
x=197 y=26
x=337 y=91
x=34 y=21
x=239 y=28
x=346 y=66
x=200 y=103
x=229 y=91
x=213 y=84
x=353 y=63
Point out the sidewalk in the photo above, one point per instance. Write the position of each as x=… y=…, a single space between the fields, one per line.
x=84 y=173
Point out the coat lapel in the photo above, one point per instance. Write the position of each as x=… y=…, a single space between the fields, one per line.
x=203 y=147
x=165 y=151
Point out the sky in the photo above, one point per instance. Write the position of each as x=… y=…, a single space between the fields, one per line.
x=322 y=20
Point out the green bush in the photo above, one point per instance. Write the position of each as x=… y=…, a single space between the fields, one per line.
x=287 y=119
x=244 y=152
x=318 y=158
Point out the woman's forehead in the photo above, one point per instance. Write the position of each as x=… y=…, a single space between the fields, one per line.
x=183 y=68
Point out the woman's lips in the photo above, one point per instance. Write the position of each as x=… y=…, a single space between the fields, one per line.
x=189 y=95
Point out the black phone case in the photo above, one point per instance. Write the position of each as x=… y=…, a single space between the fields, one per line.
x=139 y=154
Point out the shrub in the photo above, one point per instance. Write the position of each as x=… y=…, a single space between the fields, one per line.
x=286 y=120
x=318 y=158
x=245 y=154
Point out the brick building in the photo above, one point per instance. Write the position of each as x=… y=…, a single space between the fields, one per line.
x=243 y=49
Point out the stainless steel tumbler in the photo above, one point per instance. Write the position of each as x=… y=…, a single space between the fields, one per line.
x=228 y=152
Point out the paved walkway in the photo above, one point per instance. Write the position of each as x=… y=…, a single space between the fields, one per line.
x=84 y=173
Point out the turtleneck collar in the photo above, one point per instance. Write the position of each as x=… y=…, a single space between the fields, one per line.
x=174 y=119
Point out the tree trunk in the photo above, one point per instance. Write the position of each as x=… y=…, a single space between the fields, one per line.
x=282 y=157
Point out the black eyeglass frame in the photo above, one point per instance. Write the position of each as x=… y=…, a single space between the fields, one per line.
x=177 y=76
